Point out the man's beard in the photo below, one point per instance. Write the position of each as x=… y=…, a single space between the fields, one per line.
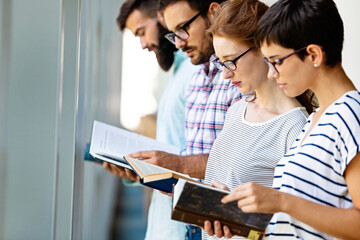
x=207 y=49
x=165 y=50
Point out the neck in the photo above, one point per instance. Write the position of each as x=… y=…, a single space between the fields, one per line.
x=269 y=96
x=330 y=85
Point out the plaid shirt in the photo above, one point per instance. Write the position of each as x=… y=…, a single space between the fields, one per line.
x=209 y=97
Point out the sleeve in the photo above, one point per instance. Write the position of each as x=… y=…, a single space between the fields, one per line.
x=349 y=135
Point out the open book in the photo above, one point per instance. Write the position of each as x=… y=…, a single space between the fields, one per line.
x=194 y=203
x=154 y=176
x=111 y=144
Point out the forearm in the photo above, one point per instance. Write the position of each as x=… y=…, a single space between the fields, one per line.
x=194 y=165
x=338 y=222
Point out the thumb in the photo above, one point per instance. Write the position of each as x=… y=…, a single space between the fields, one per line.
x=215 y=183
x=141 y=154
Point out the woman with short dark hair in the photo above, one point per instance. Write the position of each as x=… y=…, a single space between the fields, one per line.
x=316 y=192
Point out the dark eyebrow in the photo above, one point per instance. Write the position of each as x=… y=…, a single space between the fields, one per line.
x=273 y=56
x=180 y=25
x=138 y=30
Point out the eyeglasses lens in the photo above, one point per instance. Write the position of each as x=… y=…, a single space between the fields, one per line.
x=271 y=66
x=230 y=65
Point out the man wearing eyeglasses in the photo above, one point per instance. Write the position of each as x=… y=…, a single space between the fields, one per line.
x=209 y=95
x=141 y=18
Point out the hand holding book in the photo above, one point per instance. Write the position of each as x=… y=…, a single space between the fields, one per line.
x=196 y=203
x=120 y=172
x=160 y=158
x=216 y=228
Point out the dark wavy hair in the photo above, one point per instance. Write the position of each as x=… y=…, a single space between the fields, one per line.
x=147 y=7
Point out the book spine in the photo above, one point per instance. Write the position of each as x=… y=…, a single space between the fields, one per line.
x=236 y=229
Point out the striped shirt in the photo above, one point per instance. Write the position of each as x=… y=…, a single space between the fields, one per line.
x=209 y=97
x=313 y=169
x=247 y=151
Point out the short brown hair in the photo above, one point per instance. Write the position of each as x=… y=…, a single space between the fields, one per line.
x=196 y=5
x=238 y=20
x=147 y=7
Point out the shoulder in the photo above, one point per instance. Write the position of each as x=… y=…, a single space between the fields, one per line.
x=185 y=71
x=236 y=110
x=345 y=112
x=299 y=113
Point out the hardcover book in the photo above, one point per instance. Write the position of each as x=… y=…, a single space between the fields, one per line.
x=154 y=176
x=194 y=203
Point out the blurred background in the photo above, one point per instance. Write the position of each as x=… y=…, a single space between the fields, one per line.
x=64 y=64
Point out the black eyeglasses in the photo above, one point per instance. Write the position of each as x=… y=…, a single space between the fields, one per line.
x=181 y=32
x=230 y=64
x=279 y=61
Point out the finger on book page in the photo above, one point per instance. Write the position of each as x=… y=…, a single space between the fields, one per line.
x=142 y=154
x=215 y=183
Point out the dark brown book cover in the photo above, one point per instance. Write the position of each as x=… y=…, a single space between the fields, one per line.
x=194 y=204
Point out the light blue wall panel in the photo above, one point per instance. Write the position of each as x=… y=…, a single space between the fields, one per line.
x=32 y=116
x=4 y=40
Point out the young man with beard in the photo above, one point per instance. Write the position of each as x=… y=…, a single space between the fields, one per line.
x=141 y=18
x=209 y=95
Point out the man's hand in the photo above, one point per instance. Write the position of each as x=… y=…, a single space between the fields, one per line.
x=193 y=165
x=162 y=159
x=120 y=172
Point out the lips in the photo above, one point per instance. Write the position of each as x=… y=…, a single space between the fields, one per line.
x=236 y=83
x=189 y=53
x=281 y=85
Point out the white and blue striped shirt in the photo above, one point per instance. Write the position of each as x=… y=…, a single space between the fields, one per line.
x=313 y=169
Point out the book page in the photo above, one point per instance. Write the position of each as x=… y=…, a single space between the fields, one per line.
x=115 y=142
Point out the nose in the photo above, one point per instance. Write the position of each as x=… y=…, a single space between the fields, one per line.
x=272 y=73
x=179 y=43
x=227 y=73
x=143 y=43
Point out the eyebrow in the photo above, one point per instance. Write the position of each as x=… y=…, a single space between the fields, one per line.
x=273 y=56
x=180 y=25
x=230 y=56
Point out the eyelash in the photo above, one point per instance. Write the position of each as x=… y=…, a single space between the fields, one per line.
x=279 y=62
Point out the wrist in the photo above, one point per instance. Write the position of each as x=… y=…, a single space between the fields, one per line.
x=181 y=165
x=285 y=202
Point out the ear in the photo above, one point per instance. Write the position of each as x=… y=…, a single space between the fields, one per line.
x=213 y=11
x=160 y=18
x=316 y=54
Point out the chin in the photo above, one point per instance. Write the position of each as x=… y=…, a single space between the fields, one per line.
x=290 y=93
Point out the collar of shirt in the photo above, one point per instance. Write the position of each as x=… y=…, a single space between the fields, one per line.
x=209 y=67
x=209 y=70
